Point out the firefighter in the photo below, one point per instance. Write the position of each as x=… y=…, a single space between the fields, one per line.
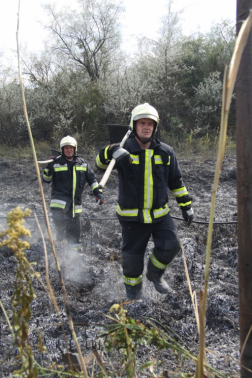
x=146 y=168
x=68 y=174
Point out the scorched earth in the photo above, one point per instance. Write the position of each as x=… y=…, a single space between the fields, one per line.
x=91 y=282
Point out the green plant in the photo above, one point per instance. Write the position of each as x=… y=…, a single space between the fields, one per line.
x=206 y=143
x=127 y=335
x=23 y=291
x=189 y=144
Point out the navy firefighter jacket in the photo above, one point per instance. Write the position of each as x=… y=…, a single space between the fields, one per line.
x=68 y=179
x=143 y=185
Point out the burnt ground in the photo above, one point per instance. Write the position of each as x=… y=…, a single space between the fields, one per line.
x=91 y=281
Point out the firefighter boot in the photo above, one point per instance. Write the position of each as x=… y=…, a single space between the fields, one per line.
x=134 y=292
x=154 y=275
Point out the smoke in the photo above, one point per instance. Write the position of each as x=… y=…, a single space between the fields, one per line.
x=109 y=280
x=74 y=265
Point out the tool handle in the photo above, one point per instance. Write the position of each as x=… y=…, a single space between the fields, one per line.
x=112 y=163
x=45 y=162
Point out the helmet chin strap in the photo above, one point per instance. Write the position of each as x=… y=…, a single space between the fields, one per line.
x=144 y=142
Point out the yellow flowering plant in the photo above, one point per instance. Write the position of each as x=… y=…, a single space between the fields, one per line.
x=23 y=294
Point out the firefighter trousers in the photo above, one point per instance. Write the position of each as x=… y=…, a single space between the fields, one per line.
x=135 y=237
x=66 y=226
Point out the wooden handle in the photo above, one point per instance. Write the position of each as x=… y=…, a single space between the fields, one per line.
x=112 y=163
x=107 y=174
x=45 y=162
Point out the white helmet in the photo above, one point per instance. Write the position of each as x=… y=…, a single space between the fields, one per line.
x=68 y=141
x=144 y=111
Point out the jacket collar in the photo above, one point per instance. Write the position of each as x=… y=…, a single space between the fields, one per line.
x=63 y=160
x=134 y=146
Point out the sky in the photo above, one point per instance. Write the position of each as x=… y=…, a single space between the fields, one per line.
x=142 y=18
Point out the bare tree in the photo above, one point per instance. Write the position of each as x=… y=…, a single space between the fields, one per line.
x=88 y=37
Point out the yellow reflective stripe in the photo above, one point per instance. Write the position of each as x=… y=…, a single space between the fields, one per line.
x=106 y=153
x=179 y=192
x=74 y=188
x=47 y=178
x=185 y=204
x=127 y=212
x=148 y=180
x=58 y=169
x=146 y=213
x=147 y=216
x=94 y=185
x=78 y=210
x=161 y=212
x=135 y=159
x=99 y=163
x=158 y=159
x=132 y=281
x=157 y=263
x=80 y=168
x=57 y=205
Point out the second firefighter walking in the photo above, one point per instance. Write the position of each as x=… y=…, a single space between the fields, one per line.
x=68 y=174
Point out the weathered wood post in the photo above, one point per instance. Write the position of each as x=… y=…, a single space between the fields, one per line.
x=244 y=191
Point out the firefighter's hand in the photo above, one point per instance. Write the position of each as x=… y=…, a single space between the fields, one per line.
x=188 y=216
x=99 y=197
x=121 y=155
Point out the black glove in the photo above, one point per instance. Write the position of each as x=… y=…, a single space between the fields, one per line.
x=188 y=216
x=100 y=197
x=119 y=154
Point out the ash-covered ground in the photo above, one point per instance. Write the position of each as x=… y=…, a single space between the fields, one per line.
x=91 y=282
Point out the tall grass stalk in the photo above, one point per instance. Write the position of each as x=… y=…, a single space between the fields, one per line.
x=7 y=318
x=70 y=321
x=50 y=290
x=193 y=294
x=228 y=86
x=131 y=366
x=246 y=339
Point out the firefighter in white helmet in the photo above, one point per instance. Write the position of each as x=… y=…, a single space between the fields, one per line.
x=146 y=169
x=68 y=174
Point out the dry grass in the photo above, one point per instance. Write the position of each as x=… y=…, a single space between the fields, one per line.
x=25 y=151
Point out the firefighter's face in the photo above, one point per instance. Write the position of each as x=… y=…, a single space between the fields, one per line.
x=144 y=128
x=68 y=152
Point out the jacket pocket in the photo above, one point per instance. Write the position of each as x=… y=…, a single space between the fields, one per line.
x=160 y=176
x=129 y=190
x=161 y=187
x=82 y=178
